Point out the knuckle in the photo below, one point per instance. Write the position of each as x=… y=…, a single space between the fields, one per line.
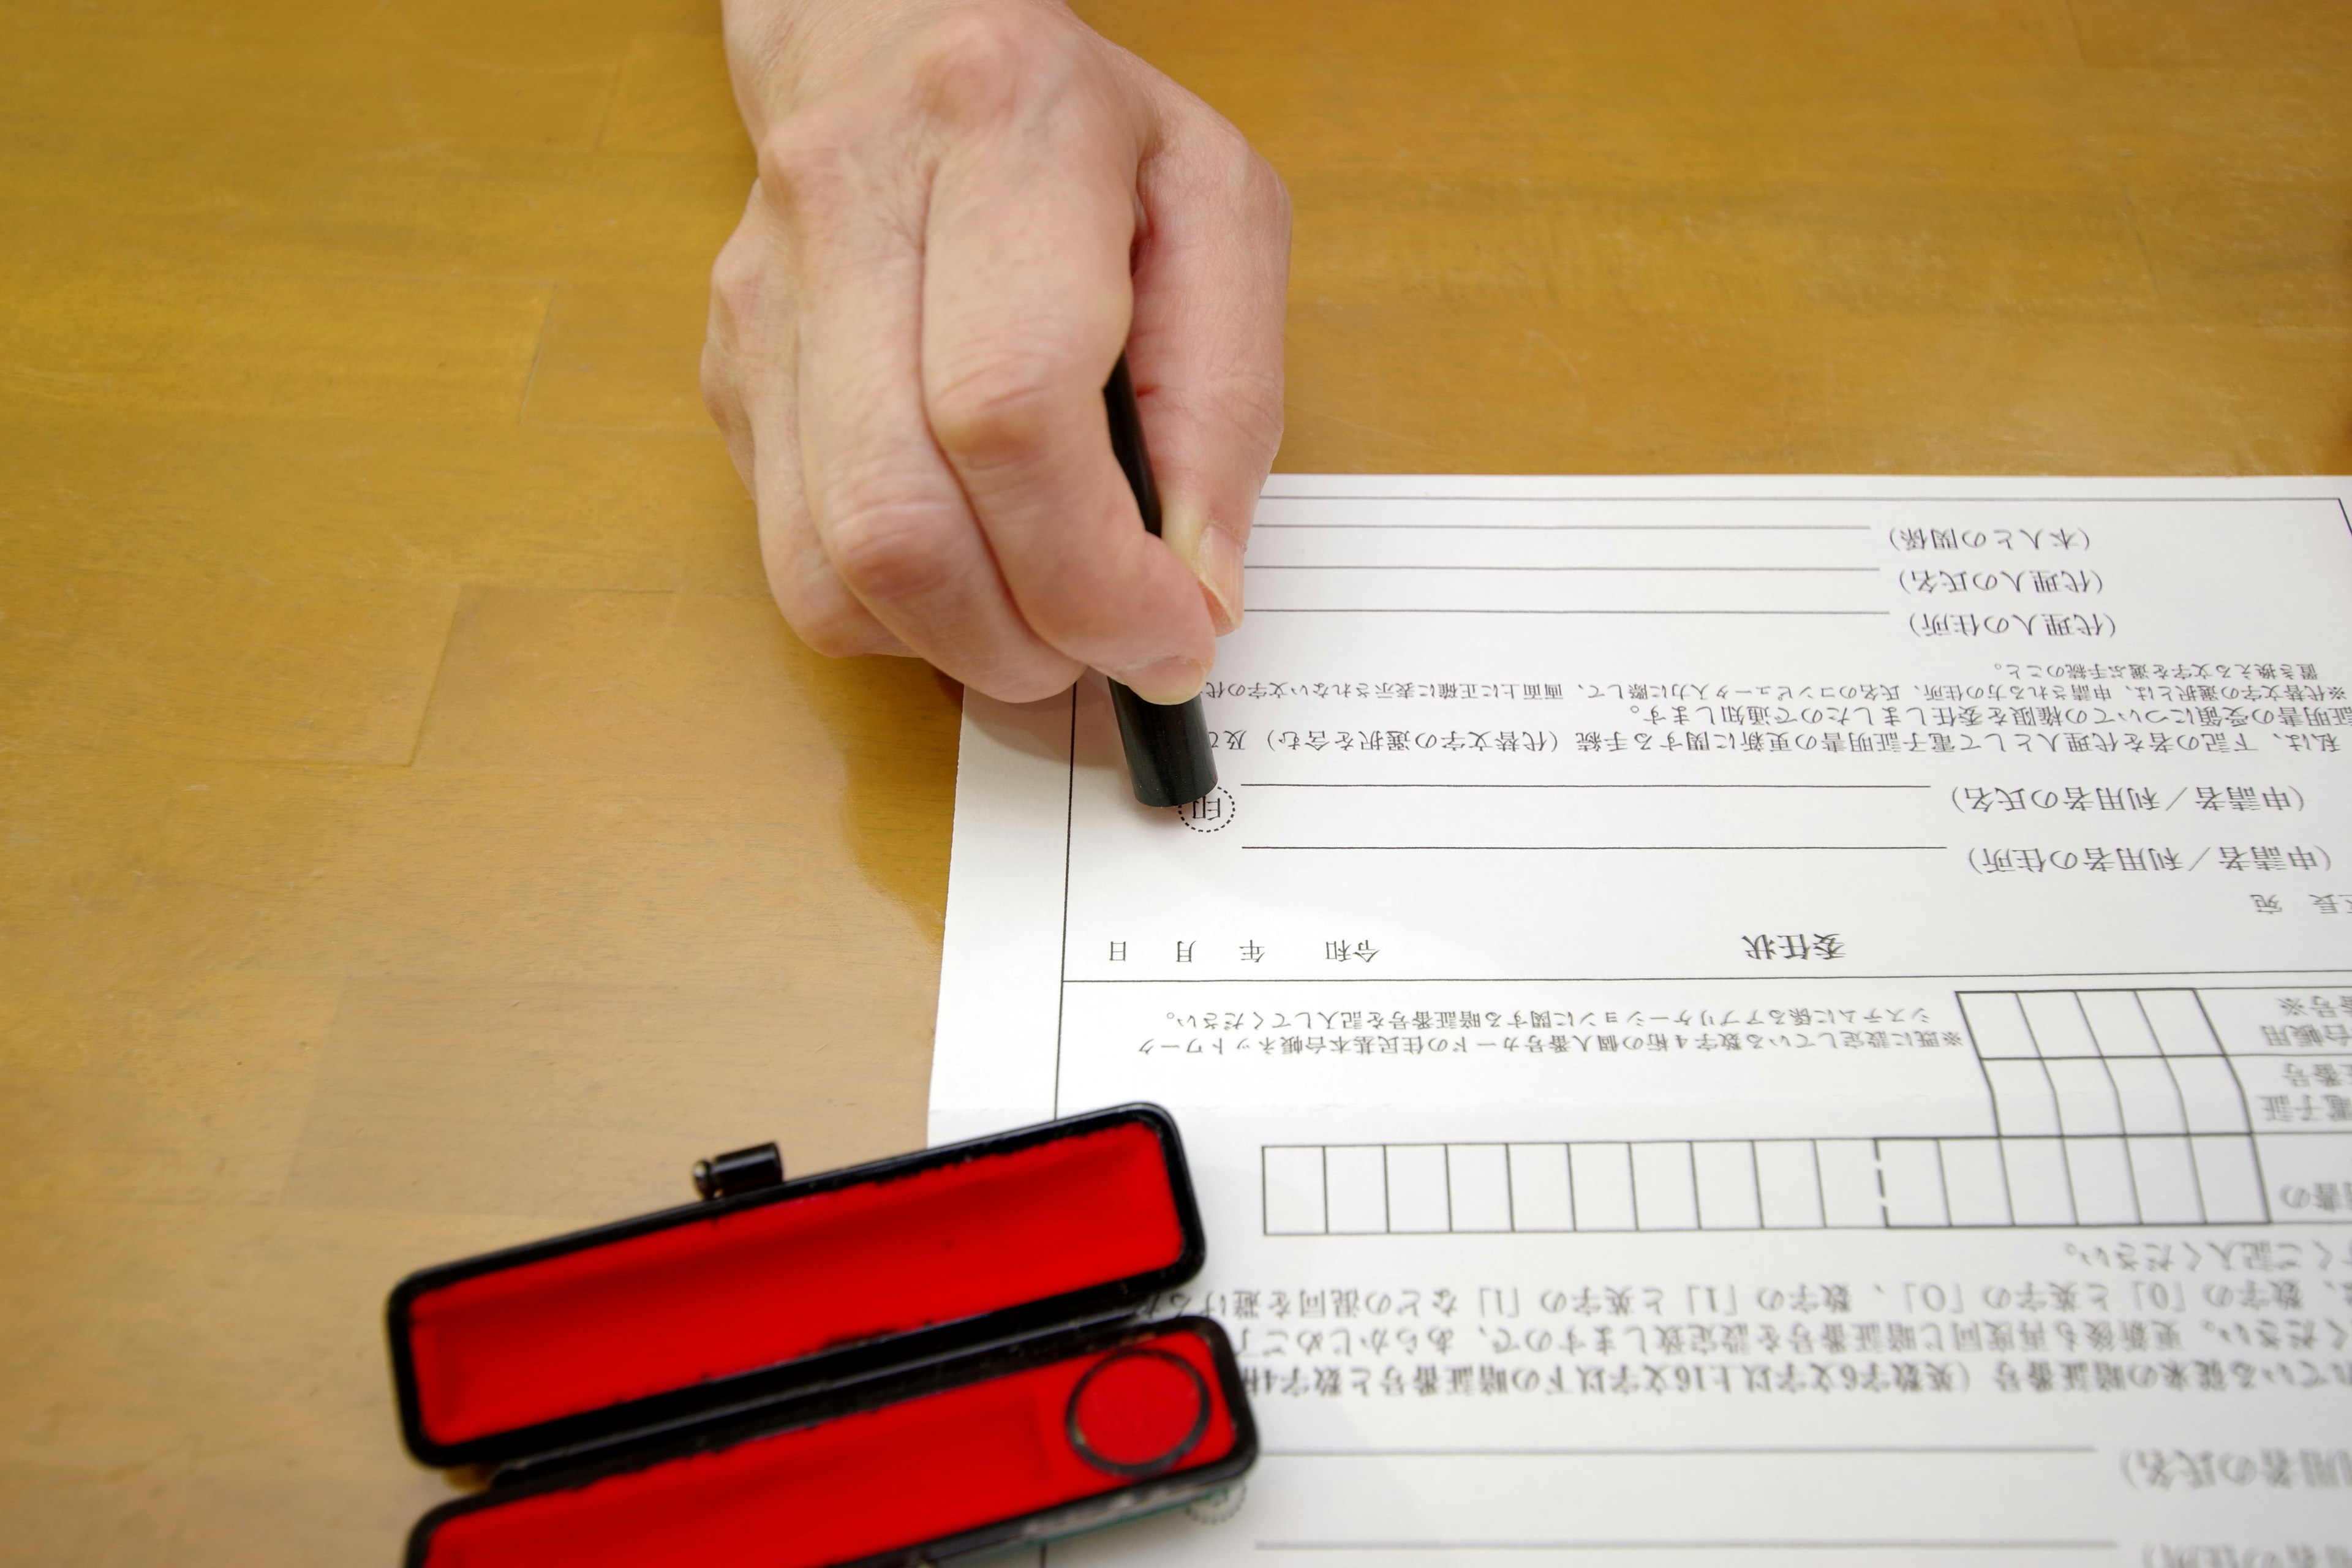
x=808 y=164
x=998 y=409
x=1265 y=195
x=738 y=282
x=977 y=65
x=718 y=387
x=821 y=612
x=833 y=628
x=1250 y=186
x=886 y=548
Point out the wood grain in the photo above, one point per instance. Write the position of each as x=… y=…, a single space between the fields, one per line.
x=418 y=834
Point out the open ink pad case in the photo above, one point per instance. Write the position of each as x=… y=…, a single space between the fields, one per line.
x=906 y=1361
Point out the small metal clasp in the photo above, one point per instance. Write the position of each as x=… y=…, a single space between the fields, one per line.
x=740 y=1170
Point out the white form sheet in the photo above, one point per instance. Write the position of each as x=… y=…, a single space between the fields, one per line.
x=1729 y=1021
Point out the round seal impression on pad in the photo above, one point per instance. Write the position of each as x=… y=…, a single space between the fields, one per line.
x=1138 y=1412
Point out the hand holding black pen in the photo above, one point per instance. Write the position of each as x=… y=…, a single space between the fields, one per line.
x=1168 y=755
x=964 y=215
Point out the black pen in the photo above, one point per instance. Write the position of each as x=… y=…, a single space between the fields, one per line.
x=1167 y=754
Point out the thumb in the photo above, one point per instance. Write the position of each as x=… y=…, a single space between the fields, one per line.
x=1205 y=348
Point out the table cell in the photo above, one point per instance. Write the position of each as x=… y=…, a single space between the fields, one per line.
x=1976 y=1186
x=2039 y=1191
x=1911 y=1169
x=2023 y=1104
x=1541 y=1198
x=2180 y=1024
x=1355 y=1189
x=2149 y=1097
x=1725 y=1174
x=1602 y=1175
x=1664 y=1196
x=1850 y=1196
x=1294 y=1191
x=1789 y=1184
x=2086 y=1098
x=1479 y=1183
x=1418 y=1204
x=2100 y=1172
x=2117 y=1024
x=2058 y=1025
x=2164 y=1175
x=2228 y=1180
x=1997 y=1025
x=2210 y=1098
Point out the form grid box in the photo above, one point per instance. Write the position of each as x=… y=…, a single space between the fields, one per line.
x=1911 y=1174
x=2148 y=1094
x=1602 y=1177
x=2112 y=1108
x=2059 y=1028
x=1355 y=1189
x=1851 y=1198
x=1789 y=1184
x=1666 y=1196
x=2118 y=1023
x=2164 y=1176
x=1727 y=1197
x=1541 y=1198
x=1294 y=1190
x=1420 y=1202
x=1976 y=1186
x=1478 y=1186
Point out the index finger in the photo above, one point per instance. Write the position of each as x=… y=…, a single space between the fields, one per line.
x=1026 y=305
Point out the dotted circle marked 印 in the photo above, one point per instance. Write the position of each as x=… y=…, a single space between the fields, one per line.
x=1213 y=812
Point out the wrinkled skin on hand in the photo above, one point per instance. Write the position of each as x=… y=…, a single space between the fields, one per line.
x=965 y=209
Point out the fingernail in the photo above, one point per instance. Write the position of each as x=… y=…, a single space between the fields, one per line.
x=1165 y=681
x=1215 y=558
x=1218 y=564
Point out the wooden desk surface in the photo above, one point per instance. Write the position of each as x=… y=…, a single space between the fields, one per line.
x=417 y=831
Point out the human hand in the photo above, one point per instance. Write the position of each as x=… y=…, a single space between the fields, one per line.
x=965 y=209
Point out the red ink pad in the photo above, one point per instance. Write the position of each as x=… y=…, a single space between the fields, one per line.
x=947 y=1468
x=770 y=1369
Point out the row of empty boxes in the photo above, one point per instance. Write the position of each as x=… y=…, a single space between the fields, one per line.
x=1805 y=1183
x=2093 y=1063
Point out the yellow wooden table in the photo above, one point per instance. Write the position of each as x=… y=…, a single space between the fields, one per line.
x=417 y=831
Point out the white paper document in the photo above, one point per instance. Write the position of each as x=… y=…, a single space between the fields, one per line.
x=1729 y=1021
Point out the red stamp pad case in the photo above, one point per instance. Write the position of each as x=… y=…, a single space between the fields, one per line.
x=900 y=1362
